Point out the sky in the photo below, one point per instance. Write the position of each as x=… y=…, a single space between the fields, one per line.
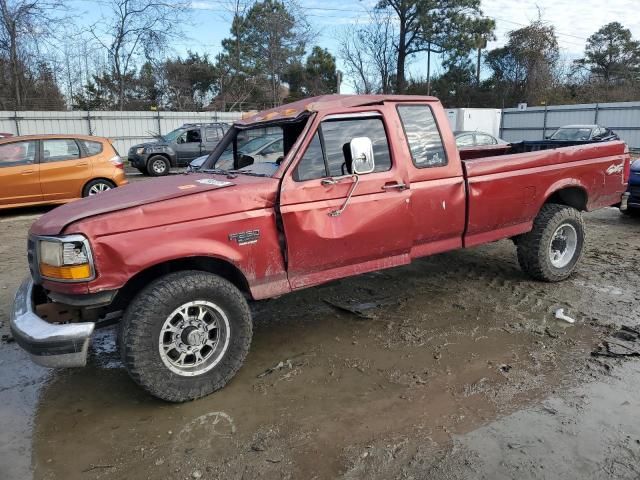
x=574 y=21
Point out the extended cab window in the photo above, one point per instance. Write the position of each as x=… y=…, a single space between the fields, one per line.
x=17 y=153
x=60 y=149
x=423 y=136
x=330 y=157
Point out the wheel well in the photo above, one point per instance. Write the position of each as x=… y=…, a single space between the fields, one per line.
x=220 y=267
x=575 y=197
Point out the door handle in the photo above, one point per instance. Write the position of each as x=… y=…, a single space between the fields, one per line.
x=395 y=186
x=26 y=172
x=84 y=164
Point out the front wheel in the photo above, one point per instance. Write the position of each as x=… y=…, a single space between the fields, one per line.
x=158 y=166
x=551 y=250
x=185 y=335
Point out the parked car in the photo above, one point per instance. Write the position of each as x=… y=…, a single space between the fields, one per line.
x=474 y=139
x=631 y=200
x=177 y=148
x=50 y=169
x=263 y=149
x=352 y=195
x=6 y=135
x=583 y=133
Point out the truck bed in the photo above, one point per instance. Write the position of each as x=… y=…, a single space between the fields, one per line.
x=506 y=191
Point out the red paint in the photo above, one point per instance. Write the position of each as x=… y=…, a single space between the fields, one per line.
x=464 y=203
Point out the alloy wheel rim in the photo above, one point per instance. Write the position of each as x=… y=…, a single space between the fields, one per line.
x=194 y=338
x=159 y=166
x=98 y=188
x=563 y=246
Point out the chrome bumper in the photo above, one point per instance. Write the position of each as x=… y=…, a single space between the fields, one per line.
x=49 y=344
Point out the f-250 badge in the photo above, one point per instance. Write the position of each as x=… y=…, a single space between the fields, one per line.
x=245 y=238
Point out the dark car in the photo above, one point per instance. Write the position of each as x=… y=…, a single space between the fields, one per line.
x=177 y=148
x=475 y=139
x=583 y=133
x=263 y=149
x=632 y=197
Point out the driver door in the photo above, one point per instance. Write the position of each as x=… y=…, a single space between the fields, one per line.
x=330 y=235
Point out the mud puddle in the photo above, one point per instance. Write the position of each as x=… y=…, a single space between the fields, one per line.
x=313 y=386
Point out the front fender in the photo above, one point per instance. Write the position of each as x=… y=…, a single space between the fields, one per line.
x=120 y=256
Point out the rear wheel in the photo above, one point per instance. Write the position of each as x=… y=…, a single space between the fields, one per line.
x=185 y=335
x=158 y=166
x=551 y=250
x=94 y=187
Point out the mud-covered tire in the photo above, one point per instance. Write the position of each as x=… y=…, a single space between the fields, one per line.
x=142 y=333
x=535 y=247
x=158 y=166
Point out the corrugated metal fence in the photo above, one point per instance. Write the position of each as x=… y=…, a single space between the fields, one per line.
x=535 y=123
x=123 y=128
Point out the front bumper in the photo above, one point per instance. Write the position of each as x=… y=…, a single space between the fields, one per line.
x=137 y=161
x=49 y=344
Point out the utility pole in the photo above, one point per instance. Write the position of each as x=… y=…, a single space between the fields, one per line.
x=429 y=68
x=481 y=42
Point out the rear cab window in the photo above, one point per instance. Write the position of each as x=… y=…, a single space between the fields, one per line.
x=423 y=136
x=18 y=153
x=328 y=154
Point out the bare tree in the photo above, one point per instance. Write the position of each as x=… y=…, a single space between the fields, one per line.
x=135 y=28
x=370 y=53
x=24 y=23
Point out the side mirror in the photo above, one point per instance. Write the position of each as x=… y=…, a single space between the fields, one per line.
x=362 y=155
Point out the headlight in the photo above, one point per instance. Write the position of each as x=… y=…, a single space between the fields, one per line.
x=65 y=258
x=140 y=151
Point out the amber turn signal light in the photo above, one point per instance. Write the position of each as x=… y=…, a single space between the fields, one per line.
x=67 y=272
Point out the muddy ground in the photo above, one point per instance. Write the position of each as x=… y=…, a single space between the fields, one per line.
x=452 y=367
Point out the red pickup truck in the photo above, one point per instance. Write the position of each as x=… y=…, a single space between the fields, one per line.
x=363 y=183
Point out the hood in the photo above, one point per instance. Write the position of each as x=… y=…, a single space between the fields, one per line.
x=152 y=143
x=160 y=201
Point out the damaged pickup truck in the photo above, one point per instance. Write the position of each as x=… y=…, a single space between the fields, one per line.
x=363 y=183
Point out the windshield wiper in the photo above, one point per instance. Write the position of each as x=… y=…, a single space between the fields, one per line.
x=249 y=172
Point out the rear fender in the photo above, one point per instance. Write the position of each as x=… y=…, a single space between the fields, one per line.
x=555 y=191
